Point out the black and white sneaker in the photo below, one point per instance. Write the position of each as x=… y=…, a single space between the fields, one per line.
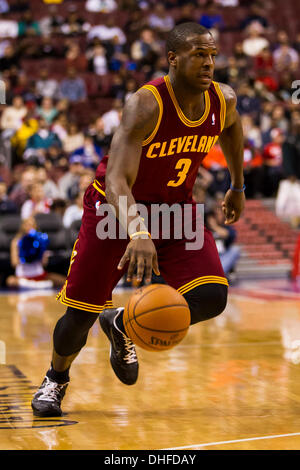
x=47 y=400
x=123 y=356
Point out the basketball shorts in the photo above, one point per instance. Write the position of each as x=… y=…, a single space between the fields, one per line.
x=93 y=272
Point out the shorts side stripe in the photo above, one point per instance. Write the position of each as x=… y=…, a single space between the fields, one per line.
x=81 y=305
x=202 y=280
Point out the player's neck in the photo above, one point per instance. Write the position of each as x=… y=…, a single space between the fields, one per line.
x=188 y=98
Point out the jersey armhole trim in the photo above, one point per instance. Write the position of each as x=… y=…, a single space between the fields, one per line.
x=222 y=103
x=157 y=96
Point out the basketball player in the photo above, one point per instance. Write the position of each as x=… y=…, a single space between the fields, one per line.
x=167 y=128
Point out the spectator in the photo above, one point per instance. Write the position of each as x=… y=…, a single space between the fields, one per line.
x=112 y=118
x=253 y=170
x=47 y=110
x=4 y=7
x=19 y=191
x=52 y=22
x=29 y=257
x=9 y=28
x=106 y=32
x=101 y=6
x=12 y=116
x=215 y=163
x=37 y=204
x=146 y=49
x=7 y=206
x=96 y=131
x=60 y=126
x=161 y=68
x=287 y=205
x=85 y=179
x=186 y=13
x=291 y=148
x=89 y=154
x=74 y=57
x=19 y=140
x=74 y=212
x=118 y=56
x=160 y=20
x=264 y=62
x=50 y=188
x=55 y=161
x=39 y=142
x=135 y=23
x=257 y=14
x=48 y=49
x=247 y=101
x=74 y=24
x=10 y=58
x=70 y=179
x=241 y=59
x=272 y=159
x=224 y=236
x=28 y=26
x=131 y=87
x=255 y=42
x=3 y=45
x=296 y=44
x=99 y=60
x=203 y=181
x=286 y=58
x=46 y=86
x=58 y=206
x=73 y=88
x=212 y=18
x=276 y=119
x=74 y=138
x=252 y=133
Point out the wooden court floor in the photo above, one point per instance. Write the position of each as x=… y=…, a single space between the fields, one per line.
x=232 y=384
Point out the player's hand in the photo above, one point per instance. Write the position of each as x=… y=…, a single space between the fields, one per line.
x=233 y=206
x=142 y=253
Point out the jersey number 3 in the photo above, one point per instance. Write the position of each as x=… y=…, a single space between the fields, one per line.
x=184 y=165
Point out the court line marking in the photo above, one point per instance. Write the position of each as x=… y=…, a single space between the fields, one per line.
x=182 y=346
x=209 y=444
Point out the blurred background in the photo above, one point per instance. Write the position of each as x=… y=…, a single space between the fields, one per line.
x=69 y=66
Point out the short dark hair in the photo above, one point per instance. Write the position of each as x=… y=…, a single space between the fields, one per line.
x=176 y=38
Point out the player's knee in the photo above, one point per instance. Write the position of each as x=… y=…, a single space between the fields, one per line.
x=206 y=301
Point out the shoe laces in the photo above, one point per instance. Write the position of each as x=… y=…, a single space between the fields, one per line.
x=130 y=357
x=51 y=391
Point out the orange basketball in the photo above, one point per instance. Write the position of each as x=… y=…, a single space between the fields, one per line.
x=156 y=317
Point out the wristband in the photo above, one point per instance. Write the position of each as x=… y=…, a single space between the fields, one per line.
x=238 y=190
x=139 y=233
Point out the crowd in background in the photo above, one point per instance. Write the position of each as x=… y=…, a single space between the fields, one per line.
x=60 y=115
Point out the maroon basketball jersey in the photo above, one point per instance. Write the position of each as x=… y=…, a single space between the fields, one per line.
x=171 y=155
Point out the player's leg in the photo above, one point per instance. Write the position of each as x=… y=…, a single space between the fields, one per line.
x=197 y=275
x=87 y=291
x=69 y=337
x=206 y=301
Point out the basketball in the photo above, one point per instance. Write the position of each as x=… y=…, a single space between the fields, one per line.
x=156 y=317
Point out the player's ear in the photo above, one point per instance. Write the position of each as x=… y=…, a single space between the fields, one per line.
x=172 y=58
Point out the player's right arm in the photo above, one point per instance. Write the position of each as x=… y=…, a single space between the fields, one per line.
x=138 y=121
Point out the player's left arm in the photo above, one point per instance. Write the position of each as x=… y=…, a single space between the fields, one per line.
x=232 y=144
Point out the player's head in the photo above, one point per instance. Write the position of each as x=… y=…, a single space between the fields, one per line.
x=191 y=51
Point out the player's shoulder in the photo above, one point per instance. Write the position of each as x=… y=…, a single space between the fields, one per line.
x=141 y=108
x=229 y=95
